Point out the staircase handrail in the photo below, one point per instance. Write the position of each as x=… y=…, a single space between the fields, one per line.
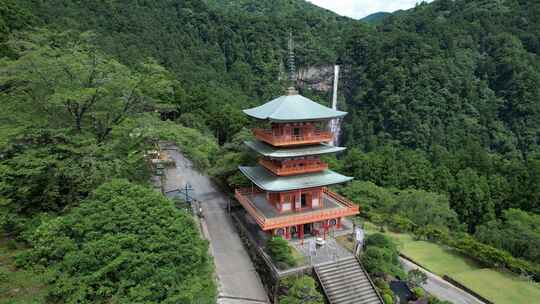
x=369 y=279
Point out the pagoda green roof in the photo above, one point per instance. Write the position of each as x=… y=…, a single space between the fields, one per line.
x=273 y=152
x=290 y=108
x=267 y=181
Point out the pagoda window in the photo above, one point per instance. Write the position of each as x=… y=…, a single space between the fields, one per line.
x=286 y=205
x=315 y=202
x=297 y=201
x=304 y=200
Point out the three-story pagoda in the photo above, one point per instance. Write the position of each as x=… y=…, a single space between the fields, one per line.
x=289 y=195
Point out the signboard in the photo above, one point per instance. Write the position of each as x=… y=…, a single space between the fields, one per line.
x=312 y=247
x=359 y=234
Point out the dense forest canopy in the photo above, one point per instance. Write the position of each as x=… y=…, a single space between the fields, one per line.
x=443 y=99
x=448 y=72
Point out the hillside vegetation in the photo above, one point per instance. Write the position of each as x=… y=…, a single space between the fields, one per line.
x=443 y=102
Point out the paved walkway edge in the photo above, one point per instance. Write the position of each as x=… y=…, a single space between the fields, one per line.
x=465 y=296
x=237 y=279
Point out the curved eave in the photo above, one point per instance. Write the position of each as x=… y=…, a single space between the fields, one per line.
x=272 y=152
x=293 y=108
x=271 y=118
x=273 y=183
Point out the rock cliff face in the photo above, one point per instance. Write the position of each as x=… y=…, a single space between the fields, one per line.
x=318 y=78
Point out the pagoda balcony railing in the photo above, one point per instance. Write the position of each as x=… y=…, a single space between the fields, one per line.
x=340 y=199
x=293 y=168
x=289 y=139
x=303 y=217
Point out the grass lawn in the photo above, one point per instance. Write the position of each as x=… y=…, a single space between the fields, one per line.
x=18 y=286
x=436 y=258
x=497 y=286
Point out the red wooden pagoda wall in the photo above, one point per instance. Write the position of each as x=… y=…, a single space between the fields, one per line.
x=292 y=200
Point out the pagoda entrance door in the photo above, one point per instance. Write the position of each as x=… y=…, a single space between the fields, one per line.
x=307 y=228
x=296 y=132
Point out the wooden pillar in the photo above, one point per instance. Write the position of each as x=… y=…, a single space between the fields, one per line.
x=338 y=226
x=297 y=200
x=308 y=129
x=325 y=226
x=270 y=199
x=301 y=231
x=287 y=233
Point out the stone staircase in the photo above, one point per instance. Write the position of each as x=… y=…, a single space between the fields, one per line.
x=346 y=282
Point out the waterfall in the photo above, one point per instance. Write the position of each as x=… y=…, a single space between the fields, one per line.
x=335 y=124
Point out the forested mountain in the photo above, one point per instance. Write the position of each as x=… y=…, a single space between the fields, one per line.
x=443 y=102
x=439 y=72
x=451 y=70
x=452 y=85
x=376 y=17
x=220 y=56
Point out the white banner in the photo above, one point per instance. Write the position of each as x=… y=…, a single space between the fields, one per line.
x=359 y=234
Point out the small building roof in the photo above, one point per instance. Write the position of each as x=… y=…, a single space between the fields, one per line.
x=267 y=181
x=273 y=152
x=294 y=107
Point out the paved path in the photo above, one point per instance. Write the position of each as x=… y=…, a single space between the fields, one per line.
x=238 y=280
x=440 y=288
x=329 y=252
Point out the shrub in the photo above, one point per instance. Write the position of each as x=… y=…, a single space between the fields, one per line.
x=380 y=240
x=416 y=278
x=11 y=244
x=418 y=292
x=381 y=261
x=301 y=290
x=382 y=284
x=388 y=298
x=492 y=257
x=381 y=256
x=3 y=275
x=435 y=300
x=281 y=253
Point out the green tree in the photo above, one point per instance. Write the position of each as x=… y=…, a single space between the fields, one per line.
x=280 y=251
x=425 y=208
x=517 y=232
x=381 y=256
x=369 y=196
x=125 y=243
x=533 y=184
x=303 y=290
x=46 y=171
x=77 y=81
x=470 y=198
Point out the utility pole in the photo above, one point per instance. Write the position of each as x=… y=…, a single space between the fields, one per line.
x=187 y=188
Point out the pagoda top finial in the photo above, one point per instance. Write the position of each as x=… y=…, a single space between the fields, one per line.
x=292 y=67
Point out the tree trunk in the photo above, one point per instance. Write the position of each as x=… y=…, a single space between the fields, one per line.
x=78 y=122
